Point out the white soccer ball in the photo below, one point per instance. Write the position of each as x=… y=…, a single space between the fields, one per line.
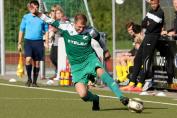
x=136 y=105
x=12 y=80
x=50 y=82
x=120 y=2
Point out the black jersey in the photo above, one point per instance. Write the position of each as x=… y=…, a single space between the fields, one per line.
x=175 y=23
x=154 y=21
x=133 y=51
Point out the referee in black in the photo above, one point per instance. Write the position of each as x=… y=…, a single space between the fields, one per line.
x=153 y=23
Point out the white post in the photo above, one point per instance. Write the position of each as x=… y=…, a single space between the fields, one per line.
x=88 y=13
x=41 y=6
x=42 y=69
x=2 y=47
x=61 y=57
x=144 y=8
x=42 y=63
x=113 y=37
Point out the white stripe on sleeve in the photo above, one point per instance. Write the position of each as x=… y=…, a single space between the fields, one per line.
x=154 y=17
x=47 y=19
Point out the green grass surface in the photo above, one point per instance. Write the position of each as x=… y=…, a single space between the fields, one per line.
x=17 y=102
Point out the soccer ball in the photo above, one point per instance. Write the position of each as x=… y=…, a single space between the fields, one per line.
x=120 y=2
x=135 y=105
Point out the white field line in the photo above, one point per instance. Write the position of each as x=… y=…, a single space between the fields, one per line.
x=17 y=98
x=9 y=98
x=55 y=90
x=64 y=91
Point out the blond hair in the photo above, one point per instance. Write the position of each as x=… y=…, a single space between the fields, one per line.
x=54 y=9
x=57 y=7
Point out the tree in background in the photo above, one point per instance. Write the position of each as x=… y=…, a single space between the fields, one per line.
x=101 y=12
x=102 y=16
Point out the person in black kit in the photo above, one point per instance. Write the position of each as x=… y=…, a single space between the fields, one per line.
x=153 y=23
x=170 y=57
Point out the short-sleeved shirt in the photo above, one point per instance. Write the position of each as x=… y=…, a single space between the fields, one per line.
x=33 y=27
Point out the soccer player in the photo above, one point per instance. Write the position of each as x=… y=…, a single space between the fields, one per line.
x=83 y=59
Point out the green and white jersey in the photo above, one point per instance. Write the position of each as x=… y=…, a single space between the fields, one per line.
x=78 y=46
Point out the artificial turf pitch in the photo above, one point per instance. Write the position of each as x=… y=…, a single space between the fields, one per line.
x=23 y=102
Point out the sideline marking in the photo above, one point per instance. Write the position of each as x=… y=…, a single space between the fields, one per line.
x=63 y=99
x=9 y=98
x=71 y=92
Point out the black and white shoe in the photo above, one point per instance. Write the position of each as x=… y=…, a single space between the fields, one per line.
x=124 y=100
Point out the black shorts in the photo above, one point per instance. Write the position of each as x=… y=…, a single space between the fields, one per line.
x=54 y=55
x=34 y=49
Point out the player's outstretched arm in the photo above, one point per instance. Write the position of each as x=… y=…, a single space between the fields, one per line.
x=48 y=20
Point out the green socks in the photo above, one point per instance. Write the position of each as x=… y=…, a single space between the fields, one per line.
x=108 y=80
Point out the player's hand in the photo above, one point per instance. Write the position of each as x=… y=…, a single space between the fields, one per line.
x=107 y=55
x=171 y=33
x=19 y=47
x=164 y=33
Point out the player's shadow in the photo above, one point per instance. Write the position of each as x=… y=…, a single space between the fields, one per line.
x=152 y=109
x=126 y=109
x=112 y=109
